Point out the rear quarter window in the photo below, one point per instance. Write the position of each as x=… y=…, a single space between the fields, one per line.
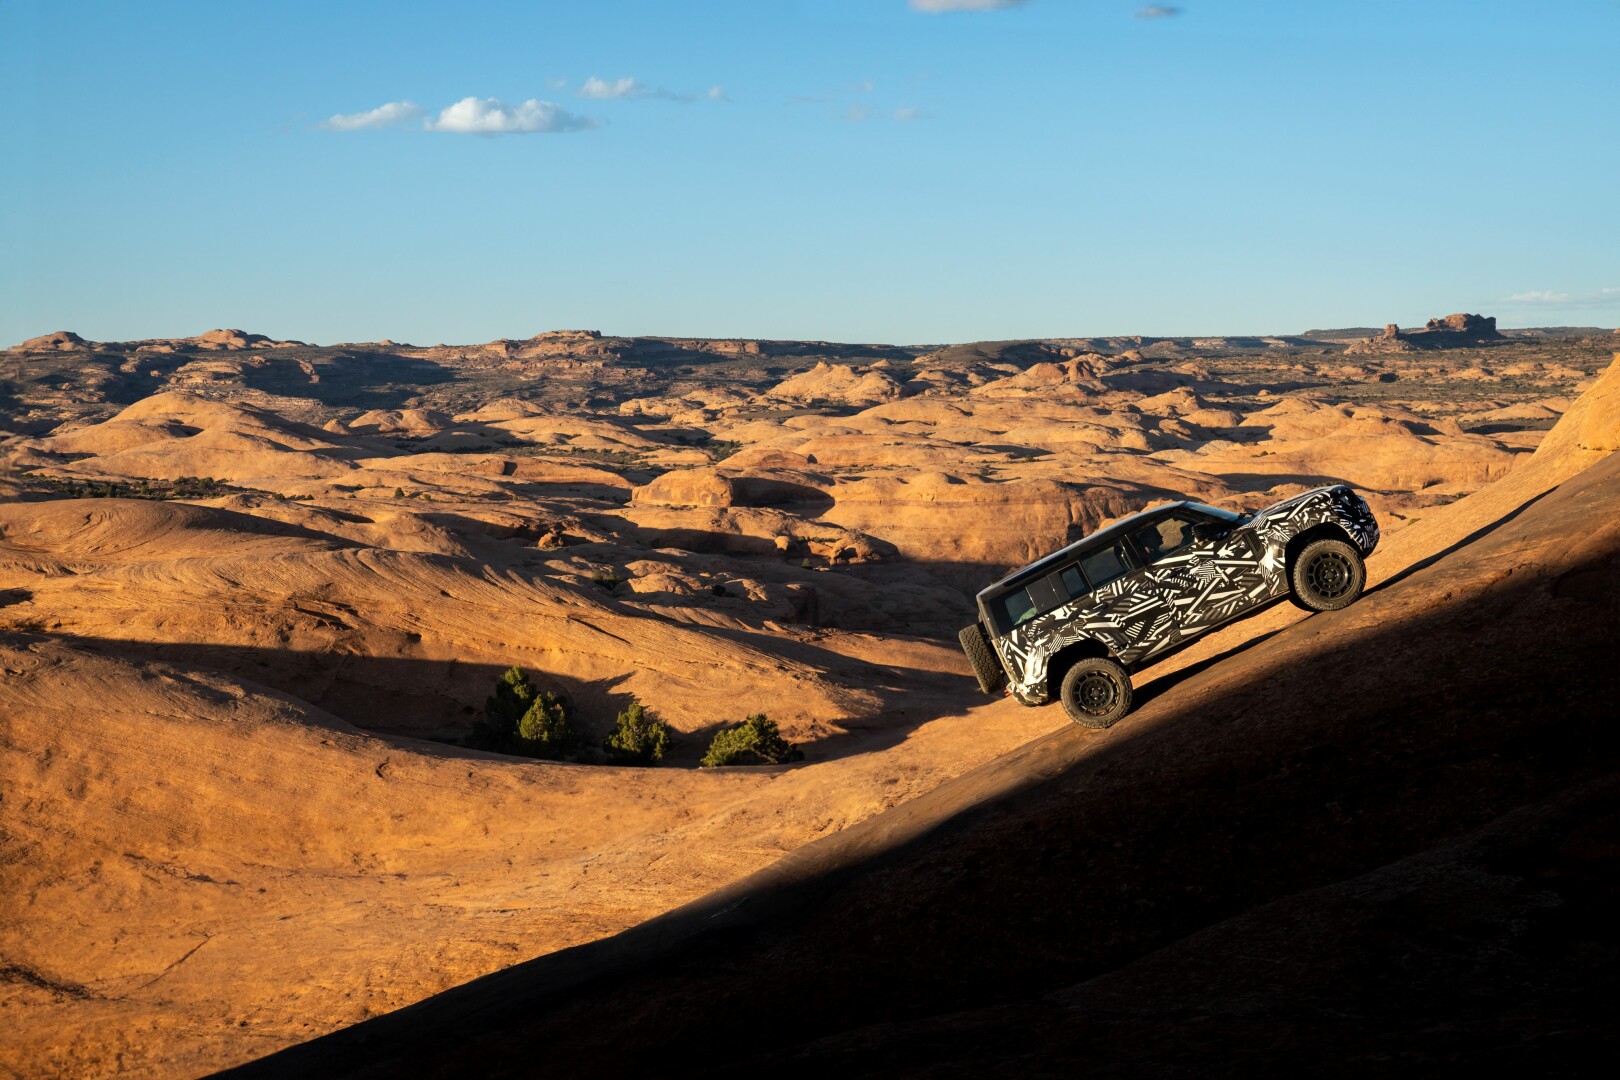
x=1022 y=605
x=1014 y=609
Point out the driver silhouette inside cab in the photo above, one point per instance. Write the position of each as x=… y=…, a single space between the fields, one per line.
x=1163 y=538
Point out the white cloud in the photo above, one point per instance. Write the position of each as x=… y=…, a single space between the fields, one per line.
x=603 y=90
x=857 y=113
x=907 y=113
x=487 y=116
x=395 y=112
x=934 y=7
x=1156 y=11
x=628 y=89
x=1549 y=298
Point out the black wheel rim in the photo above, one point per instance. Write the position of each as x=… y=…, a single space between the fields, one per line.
x=1096 y=694
x=1329 y=575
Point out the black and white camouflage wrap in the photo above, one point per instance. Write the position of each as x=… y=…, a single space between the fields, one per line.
x=1152 y=610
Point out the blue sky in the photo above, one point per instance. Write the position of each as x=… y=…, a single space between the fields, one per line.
x=854 y=170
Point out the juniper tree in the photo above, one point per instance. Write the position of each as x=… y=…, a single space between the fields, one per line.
x=756 y=741
x=520 y=719
x=638 y=738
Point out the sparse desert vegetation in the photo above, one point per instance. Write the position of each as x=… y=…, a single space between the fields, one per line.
x=755 y=741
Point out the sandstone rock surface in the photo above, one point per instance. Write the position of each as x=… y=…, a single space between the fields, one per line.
x=236 y=804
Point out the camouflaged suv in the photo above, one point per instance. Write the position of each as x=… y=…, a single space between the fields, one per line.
x=1075 y=624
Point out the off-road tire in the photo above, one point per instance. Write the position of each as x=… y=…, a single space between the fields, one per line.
x=1327 y=575
x=986 y=668
x=1096 y=692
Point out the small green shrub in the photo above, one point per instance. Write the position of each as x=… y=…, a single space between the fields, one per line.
x=756 y=741
x=544 y=731
x=606 y=578
x=519 y=719
x=639 y=738
x=514 y=693
x=399 y=493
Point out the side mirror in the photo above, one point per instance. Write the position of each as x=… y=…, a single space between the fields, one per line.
x=1209 y=532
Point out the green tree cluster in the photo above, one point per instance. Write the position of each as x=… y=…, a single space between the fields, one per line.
x=521 y=719
x=755 y=741
x=185 y=487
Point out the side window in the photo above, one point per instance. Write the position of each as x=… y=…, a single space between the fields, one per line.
x=1074 y=581
x=1017 y=608
x=1105 y=565
x=1045 y=595
x=1165 y=537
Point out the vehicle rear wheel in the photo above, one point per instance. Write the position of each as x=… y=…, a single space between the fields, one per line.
x=1096 y=692
x=986 y=668
x=1328 y=575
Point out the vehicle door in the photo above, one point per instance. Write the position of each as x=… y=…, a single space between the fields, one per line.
x=1208 y=571
x=1163 y=550
x=1127 y=610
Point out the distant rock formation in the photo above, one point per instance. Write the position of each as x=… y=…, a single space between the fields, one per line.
x=1450 y=332
x=210 y=341
x=559 y=343
x=718 y=346
x=1479 y=326
x=1043 y=380
x=60 y=341
x=1390 y=341
x=399 y=422
x=840 y=383
x=567 y=337
x=229 y=339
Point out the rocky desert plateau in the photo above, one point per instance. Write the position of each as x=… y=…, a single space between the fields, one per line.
x=255 y=595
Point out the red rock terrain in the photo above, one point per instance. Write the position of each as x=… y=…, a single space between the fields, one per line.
x=237 y=816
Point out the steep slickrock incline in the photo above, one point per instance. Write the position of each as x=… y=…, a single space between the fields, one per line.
x=1383 y=834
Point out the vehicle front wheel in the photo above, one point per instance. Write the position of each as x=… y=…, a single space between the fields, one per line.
x=1096 y=692
x=1328 y=575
